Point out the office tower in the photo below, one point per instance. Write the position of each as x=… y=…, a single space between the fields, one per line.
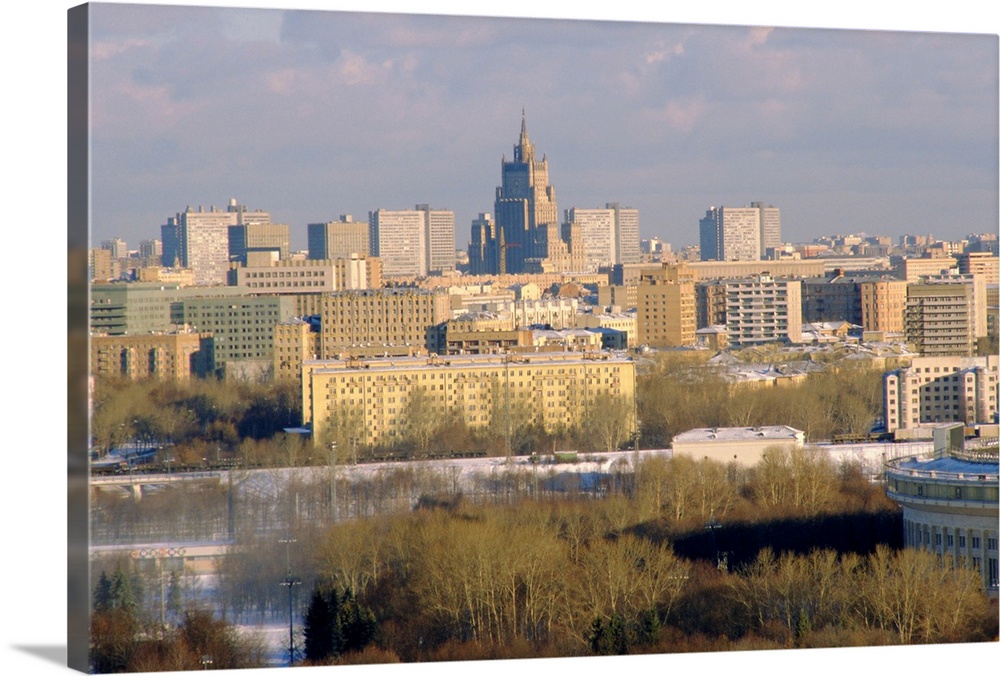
x=609 y=236
x=117 y=247
x=413 y=242
x=398 y=239
x=770 y=226
x=439 y=239
x=258 y=237
x=731 y=234
x=626 y=233
x=338 y=239
x=200 y=239
x=484 y=252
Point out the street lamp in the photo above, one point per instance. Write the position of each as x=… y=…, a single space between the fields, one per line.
x=290 y=582
x=333 y=481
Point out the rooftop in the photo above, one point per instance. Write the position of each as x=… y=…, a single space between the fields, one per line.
x=775 y=432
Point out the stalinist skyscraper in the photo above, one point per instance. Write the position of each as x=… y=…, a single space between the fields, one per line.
x=527 y=232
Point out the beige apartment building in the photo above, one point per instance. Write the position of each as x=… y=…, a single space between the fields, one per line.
x=912 y=269
x=940 y=319
x=939 y=390
x=762 y=309
x=295 y=342
x=981 y=263
x=380 y=318
x=371 y=396
x=173 y=356
x=883 y=303
x=665 y=313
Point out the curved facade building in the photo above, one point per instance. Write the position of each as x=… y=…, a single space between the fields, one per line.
x=950 y=506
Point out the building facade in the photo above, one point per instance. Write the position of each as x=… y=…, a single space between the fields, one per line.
x=380 y=318
x=949 y=502
x=372 y=396
x=199 y=239
x=730 y=234
x=763 y=309
x=527 y=236
x=610 y=235
x=338 y=239
x=398 y=239
x=243 y=327
x=940 y=319
x=933 y=390
x=665 y=313
x=175 y=356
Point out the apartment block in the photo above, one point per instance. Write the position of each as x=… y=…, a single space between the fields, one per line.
x=762 y=309
x=935 y=390
x=940 y=319
x=665 y=313
x=373 y=394
x=175 y=356
x=390 y=317
x=295 y=342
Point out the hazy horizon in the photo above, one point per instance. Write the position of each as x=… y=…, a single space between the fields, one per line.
x=313 y=114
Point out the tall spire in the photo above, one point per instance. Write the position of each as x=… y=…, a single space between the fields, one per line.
x=523 y=151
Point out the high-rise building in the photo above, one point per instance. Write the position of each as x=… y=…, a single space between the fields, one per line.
x=731 y=234
x=200 y=239
x=940 y=319
x=610 y=235
x=338 y=239
x=527 y=235
x=117 y=247
x=763 y=309
x=398 y=239
x=439 y=239
x=413 y=242
x=666 y=315
x=484 y=252
x=770 y=227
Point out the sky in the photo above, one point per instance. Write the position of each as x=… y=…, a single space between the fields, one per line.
x=313 y=114
x=34 y=125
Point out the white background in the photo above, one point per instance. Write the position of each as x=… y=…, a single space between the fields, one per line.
x=33 y=600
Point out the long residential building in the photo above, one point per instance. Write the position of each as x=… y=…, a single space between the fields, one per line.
x=763 y=309
x=371 y=396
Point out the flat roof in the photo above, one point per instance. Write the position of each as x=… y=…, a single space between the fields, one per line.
x=775 y=432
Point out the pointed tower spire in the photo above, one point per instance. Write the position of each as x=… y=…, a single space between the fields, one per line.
x=523 y=151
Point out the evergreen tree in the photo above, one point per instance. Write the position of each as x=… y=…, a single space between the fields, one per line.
x=102 y=594
x=320 y=626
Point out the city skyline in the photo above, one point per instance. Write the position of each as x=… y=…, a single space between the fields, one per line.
x=310 y=115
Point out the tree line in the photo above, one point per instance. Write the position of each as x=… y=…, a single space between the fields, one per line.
x=209 y=419
x=681 y=555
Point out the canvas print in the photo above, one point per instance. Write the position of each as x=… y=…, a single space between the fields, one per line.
x=424 y=338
